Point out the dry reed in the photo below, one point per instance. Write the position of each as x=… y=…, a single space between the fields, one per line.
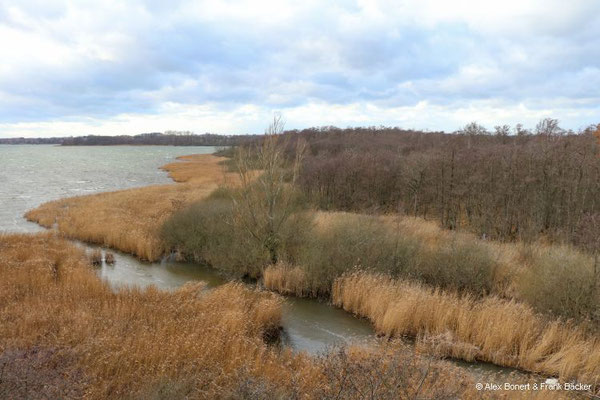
x=66 y=334
x=490 y=329
x=287 y=279
x=109 y=258
x=95 y=257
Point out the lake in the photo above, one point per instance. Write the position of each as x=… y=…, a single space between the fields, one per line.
x=34 y=174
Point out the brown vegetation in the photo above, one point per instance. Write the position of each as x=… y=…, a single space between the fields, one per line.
x=490 y=329
x=109 y=258
x=95 y=257
x=287 y=279
x=66 y=334
x=556 y=280
x=201 y=169
x=503 y=187
x=130 y=220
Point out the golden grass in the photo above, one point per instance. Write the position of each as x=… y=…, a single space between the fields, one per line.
x=199 y=168
x=125 y=339
x=287 y=280
x=134 y=343
x=130 y=220
x=490 y=329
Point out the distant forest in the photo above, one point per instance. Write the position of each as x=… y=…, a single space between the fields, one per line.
x=507 y=184
x=169 y=138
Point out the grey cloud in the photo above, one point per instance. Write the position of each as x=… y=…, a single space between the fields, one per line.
x=163 y=56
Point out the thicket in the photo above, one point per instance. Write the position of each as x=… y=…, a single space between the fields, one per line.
x=318 y=247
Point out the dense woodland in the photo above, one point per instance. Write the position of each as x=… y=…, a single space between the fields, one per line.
x=503 y=185
x=168 y=138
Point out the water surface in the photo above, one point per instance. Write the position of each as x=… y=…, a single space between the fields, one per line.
x=34 y=174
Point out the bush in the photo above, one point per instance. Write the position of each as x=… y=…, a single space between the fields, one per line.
x=559 y=280
x=208 y=232
x=205 y=232
x=352 y=240
x=460 y=265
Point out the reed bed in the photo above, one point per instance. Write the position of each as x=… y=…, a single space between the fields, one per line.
x=199 y=168
x=66 y=334
x=554 y=279
x=130 y=220
x=287 y=279
x=489 y=329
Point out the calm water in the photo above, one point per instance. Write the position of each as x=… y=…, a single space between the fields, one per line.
x=33 y=174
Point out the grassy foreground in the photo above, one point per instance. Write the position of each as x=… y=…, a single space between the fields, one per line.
x=129 y=220
x=66 y=334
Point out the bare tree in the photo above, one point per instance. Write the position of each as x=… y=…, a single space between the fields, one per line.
x=548 y=127
x=266 y=198
x=502 y=130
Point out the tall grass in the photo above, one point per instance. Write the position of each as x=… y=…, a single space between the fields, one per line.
x=66 y=334
x=289 y=280
x=488 y=329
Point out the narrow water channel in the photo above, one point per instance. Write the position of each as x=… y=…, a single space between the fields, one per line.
x=309 y=325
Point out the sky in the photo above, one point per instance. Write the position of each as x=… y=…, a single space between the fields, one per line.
x=124 y=67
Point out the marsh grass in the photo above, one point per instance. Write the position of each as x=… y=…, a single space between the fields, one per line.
x=95 y=257
x=109 y=258
x=66 y=334
x=489 y=329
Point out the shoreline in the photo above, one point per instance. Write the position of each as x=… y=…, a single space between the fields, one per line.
x=129 y=220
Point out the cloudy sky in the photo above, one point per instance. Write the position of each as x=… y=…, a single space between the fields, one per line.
x=124 y=67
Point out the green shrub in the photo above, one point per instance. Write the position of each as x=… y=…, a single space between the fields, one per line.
x=354 y=241
x=560 y=280
x=206 y=232
x=459 y=265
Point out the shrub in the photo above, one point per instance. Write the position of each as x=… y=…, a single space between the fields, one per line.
x=353 y=240
x=205 y=232
x=461 y=265
x=559 y=280
x=208 y=232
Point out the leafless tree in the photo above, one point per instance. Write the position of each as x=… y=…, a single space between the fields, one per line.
x=267 y=196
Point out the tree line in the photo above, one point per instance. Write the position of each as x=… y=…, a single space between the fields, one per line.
x=169 y=138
